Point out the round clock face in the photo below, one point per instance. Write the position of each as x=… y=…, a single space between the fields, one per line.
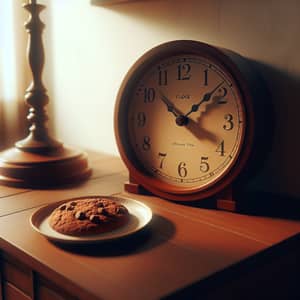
x=186 y=121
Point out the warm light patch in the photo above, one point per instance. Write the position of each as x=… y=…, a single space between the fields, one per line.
x=7 y=52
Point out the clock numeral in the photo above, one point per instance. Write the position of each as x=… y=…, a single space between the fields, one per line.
x=184 y=72
x=149 y=95
x=182 y=170
x=221 y=149
x=204 y=166
x=162 y=157
x=141 y=119
x=222 y=92
x=206 y=77
x=162 y=77
x=146 y=143
x=229 y=122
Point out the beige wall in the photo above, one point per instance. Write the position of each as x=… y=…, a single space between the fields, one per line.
x=90 y=48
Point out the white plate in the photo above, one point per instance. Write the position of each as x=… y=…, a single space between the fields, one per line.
x=140 y=216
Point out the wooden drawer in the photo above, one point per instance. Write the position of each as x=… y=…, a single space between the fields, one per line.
x=1 y=281
x=10 y=292
x=46 y=290
x=18 y=274
x=20 y=282
x=46 y=293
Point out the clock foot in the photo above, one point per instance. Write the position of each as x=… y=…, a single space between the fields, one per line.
x=130 y=187
x=228 y=205
x=225 y=200
x=134 y=188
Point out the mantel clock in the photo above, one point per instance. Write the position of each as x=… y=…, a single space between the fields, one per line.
x=186 y=121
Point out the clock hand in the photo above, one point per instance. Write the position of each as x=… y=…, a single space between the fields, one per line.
x=205 y=98
x=181 y=120
x=169 y=105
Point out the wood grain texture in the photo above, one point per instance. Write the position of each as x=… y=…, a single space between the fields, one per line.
x=184 y=249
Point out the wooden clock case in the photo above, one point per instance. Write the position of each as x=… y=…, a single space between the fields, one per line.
x=257 y=134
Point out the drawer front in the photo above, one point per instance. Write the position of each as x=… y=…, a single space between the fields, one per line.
x=47 y=290
x=10 y=292
x=18 y=275
x=1 y=282
x=20 y=282
x=46 y=293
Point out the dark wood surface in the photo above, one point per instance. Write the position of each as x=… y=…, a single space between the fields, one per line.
x=184 y=251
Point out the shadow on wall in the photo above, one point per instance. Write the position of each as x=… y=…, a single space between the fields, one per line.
x=281 y=171
x=275 y=190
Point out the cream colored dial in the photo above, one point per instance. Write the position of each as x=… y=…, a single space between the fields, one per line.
x=186 y=121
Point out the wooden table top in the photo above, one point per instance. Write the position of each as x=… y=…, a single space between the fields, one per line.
x=180 y=247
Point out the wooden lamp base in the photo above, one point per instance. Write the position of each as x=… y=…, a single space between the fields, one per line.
x=33 y=170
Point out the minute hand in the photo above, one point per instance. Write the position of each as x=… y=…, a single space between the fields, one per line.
x=205 y=98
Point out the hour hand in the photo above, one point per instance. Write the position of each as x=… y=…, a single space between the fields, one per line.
x=168 y=103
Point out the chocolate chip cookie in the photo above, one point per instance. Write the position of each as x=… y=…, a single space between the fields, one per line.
x=86 y=216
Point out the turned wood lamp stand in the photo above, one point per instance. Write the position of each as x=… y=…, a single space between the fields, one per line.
x=39 y=160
